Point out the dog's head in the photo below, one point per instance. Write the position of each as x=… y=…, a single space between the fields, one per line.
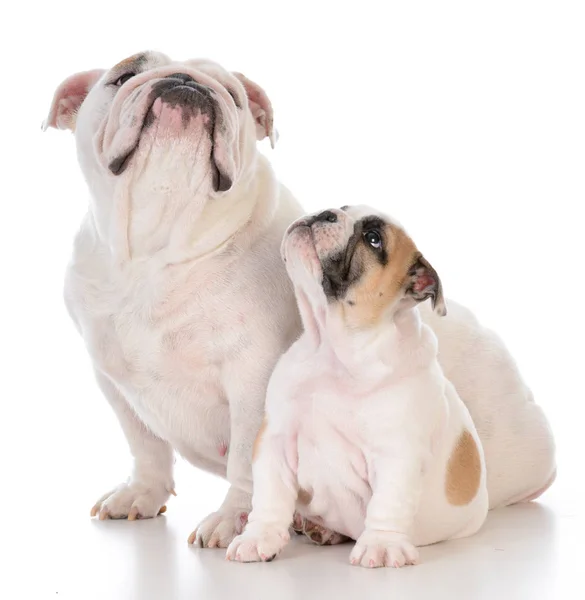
x=360 y=264
x=158 y=124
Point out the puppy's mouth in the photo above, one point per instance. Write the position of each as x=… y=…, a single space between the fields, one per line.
x=336 y=269
x=338 y=272
x=304 y=222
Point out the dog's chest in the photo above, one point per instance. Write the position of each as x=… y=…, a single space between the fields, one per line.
x=156 y=334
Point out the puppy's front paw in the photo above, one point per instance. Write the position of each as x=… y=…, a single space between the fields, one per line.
x=258 y=543
x=219 y=528
x=383 y=549
x=132 y=501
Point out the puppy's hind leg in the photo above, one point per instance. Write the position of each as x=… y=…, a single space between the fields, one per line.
x=151 y=482
x=319 y=535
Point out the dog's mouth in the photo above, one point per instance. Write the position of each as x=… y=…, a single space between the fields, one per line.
x=119 y=164
x=190 y=100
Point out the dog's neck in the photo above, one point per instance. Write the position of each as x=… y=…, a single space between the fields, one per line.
x=179 y=224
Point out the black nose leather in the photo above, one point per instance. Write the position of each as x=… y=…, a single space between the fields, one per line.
x=327 y=215
x=181 y=76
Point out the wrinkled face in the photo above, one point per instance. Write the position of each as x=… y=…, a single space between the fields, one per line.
x=192 y=121
x=361 y=261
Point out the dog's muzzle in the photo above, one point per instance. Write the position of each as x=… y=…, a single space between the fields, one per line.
x=180 y=89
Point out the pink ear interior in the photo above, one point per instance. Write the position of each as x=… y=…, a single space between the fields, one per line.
x=261 y=109
x=423 y=281
x=69 y=97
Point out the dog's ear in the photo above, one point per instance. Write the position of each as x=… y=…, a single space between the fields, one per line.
x=261 y=109
x=423 y=282
x=68 y=98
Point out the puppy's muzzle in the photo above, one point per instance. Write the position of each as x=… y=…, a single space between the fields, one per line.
x=325 y=217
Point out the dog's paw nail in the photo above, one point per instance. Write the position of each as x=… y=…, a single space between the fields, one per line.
x=103 y=514
x=133 y=514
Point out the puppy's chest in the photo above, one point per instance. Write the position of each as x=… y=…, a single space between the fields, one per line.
x=331 y=437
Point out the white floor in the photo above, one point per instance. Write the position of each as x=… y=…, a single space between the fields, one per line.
x=532 y=551
x=61 y=448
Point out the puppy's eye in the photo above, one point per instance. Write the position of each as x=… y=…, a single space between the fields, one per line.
x=373 y=238
x=123 y=79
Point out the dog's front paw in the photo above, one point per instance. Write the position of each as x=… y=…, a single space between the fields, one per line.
x=258 y=543
x=219 y=528
x=132 y=501
x=383 y=549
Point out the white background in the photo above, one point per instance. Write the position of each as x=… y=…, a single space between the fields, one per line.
x=466 y=120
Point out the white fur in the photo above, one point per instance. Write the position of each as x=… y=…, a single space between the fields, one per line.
x=363 y=419
x=185 y=306
x=183 y=301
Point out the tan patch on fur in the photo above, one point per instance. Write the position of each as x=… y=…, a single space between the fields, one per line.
x=379 y=285
x=258 y=440
x=304 y=497
x=463 y=471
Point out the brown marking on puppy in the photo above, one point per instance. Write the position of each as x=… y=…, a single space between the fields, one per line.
x=304 y=497
x=258 y=440
x=463 y=471
x=380 y=284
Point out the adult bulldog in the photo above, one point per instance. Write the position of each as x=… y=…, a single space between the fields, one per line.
x=177 y=287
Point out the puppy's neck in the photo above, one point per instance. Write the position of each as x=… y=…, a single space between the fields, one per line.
x=178 y=222
x=395 y=347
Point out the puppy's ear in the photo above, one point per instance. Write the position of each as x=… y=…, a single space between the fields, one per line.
x=261 y=109
x=68 y=98
x=423 y=283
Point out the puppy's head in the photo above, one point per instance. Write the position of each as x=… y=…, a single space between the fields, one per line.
x=362 y=262
x=161 y=124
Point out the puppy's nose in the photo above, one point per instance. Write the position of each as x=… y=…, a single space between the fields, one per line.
x=181 y=77
x=328 y=216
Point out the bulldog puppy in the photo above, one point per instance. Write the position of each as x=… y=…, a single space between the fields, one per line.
x=176 y=282
x=363 y=433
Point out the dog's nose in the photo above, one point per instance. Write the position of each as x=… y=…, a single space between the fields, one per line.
x=327 y=215
x=181 y=77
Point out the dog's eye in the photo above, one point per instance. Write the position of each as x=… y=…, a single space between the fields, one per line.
x=123 y=79
x=373 y=238
x=234 y=98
